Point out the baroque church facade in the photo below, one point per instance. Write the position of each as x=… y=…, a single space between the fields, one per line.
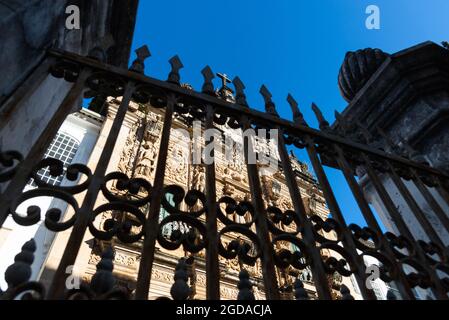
x=135 y=155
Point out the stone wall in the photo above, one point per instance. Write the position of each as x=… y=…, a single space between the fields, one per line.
x=27 y=29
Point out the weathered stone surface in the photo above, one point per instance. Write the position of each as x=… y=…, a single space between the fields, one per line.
x=27 y=30
x=408 y=97
x=357 y=69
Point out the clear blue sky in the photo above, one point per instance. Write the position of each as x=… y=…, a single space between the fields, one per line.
x=292 y=46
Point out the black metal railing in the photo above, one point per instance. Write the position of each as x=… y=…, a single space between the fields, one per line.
x=406 y=260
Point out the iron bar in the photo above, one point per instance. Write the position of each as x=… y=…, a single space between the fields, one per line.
x=238 y=110
x=57 y=288
x=403 y=230
x=368 y=215
x=268 y=267
x=347 y=240
x=414 y=207
x=319 y=274
x=436 y=208
x=212 y=266
x=247 y=116
x=39 y=148
x=152 y=225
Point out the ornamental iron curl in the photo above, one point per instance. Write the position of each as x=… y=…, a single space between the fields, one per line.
x=241 y=209
x=56 y=169
x=327 y=226
x=53 y=215
x=67 y=70
x=299 y=259
x=192 y=199
x=399 y=244
x=364 y=235
x=193 y=239
x=9 y=161
x=287 y=218
x=136 y=191
x=144 y=94
x=247 y=251
x=125 y=217
x=418 y=276
x=423 y=263
x=344 y=266
x=105 y=84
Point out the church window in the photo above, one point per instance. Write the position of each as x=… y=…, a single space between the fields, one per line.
x=63 y=148
x=276 y=188
x=168 y=228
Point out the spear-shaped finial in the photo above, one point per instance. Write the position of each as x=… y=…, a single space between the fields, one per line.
x=103 y=280
x=300 y=292
x=298 y=117
x=324 y=125
x=138 y=64
x=270 y=107
x=20 y=271
x=176 y=65
x=208 y=86
x=245 y=287
x=240 y=96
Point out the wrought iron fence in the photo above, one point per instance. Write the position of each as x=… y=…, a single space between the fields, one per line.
x=407 y=261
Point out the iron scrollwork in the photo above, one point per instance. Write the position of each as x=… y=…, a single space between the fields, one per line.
x=243 y=242
x=193 y=237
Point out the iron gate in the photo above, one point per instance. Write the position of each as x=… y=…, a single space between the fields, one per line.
x=398 y=253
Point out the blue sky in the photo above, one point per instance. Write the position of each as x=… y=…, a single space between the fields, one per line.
x=290 y=46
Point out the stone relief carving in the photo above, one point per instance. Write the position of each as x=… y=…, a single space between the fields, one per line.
x=198 y=178
x=129 y=150
x=162 y=276
x=120 y=258
x=177 y=163
x=147 y=156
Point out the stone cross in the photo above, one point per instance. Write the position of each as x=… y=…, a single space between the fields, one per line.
x=224 y=79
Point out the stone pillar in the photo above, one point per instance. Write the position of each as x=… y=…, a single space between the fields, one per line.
x=406 y=95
